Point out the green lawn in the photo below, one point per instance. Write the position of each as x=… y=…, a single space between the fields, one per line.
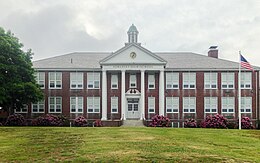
x=50 y=144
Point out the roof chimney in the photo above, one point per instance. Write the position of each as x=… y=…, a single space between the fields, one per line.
x=213 y=51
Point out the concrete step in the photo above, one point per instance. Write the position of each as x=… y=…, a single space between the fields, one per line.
x=133 y=123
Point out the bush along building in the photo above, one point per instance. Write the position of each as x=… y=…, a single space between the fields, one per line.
x=135 y=83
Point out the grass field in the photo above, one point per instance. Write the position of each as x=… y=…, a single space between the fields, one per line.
x=50 y=144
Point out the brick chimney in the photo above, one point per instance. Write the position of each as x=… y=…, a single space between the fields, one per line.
x=213 y=51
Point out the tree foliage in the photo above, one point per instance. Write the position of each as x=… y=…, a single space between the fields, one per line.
x=18 y=86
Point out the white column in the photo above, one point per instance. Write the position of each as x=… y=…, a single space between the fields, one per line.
x=104 y=95
x=123 y=95
x=142 y=96
x=161 y=93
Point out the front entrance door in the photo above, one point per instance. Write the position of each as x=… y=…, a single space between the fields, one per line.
x=133 y=108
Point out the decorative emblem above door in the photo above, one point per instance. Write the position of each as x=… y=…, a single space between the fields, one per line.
x=133 y=55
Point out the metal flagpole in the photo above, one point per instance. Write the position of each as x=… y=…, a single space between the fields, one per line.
x=239 y=92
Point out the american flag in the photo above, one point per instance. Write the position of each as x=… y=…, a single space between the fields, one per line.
x=245 y=64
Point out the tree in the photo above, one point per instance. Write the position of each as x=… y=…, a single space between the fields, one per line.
x=17 y=82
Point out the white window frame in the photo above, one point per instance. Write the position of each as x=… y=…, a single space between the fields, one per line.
x=76 y=78
x=114 y=81
x=210 y=80
x=56 y=106
x=93 y=78
x=189 y=106
x=189 y=80
x=172 y=104
x=246 y=104
x=151 y=104
x=93 y=103
x=114 y=104
x=38 y=105
x=77 y=105
x=55 y=81
x=172 y=80
x=40 y=79
x=246 y=80
x=24 y=109
x=132 y=81
x=151 y=81
x=211 y=104
x=228 y=103
x=227 y=80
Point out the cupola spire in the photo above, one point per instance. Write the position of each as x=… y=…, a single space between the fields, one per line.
x=132 y=34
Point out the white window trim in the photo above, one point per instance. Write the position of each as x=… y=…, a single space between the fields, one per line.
x=210 y=80
x=38 y=107
x=228 y=105
x=172 y=104
x=92 y=99
x=134 y=82
x=116 y=98
x=55 y=104
x=37 y=75
x=24 y=107
x=151 y=81
x=243 y=105
x=77 y=104
x=76 y=81
x=243 y=74
x=171 y=81
x=55 y=80
x=114 y=82
x=189 y=108
x=93 y=82
x=228 y=82
x=150 y=100
x=189 y=74
x=211 y=101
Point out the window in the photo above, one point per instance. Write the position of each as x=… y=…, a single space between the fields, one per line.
x=38 y=107
x=132 y=81
x=114 y=82
x=172 y=80
x=210 y=80
x=189 y=80
x=76 y=80
x=114 y=104
x=228 y=104
x=246 y=104
x=76 y=104
x=246 y=80
x=151 y=104
x=172 y=104
x=210 y=104
x=227 y=80
x=55 y=104
x=93 y=80
x=55 y=80
x=93 y=104
x=151 y=81
x=23 y=109
x=189 y=104
x=40 y=79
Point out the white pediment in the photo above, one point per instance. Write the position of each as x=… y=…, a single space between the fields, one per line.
x=133 y=54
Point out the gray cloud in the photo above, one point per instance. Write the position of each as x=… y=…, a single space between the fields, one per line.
x=59 y=27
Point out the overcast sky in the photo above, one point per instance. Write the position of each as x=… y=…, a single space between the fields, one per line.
x=56 y=27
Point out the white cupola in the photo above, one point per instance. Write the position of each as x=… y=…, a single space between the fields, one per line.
x=132 y=34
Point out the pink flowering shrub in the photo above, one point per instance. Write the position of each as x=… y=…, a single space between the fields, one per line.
x=50 y=120
x=97 y=123
x=15 y=120
x=190 y=123
x=215 y=121
x=80 y=122
x=160 y=121
x=246 y=123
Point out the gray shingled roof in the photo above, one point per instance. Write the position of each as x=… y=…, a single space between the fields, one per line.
x=175 y=60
